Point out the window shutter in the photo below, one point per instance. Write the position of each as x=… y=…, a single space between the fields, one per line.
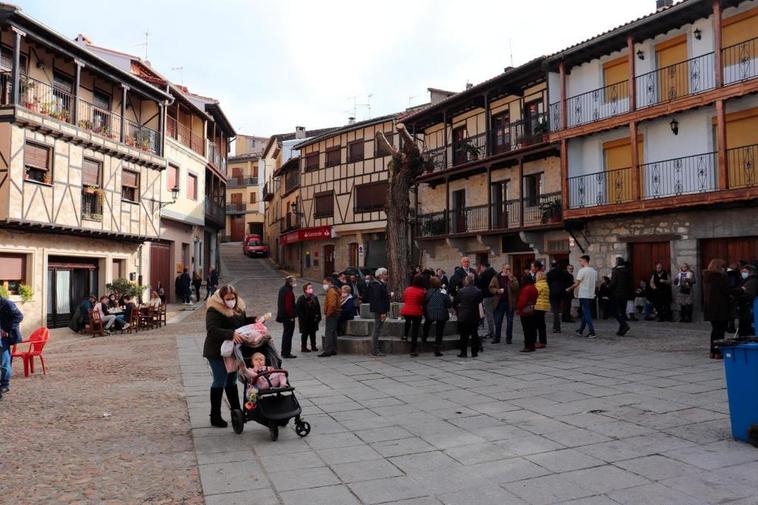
x=37 y=156
x=324 y=205
x=12 y=267
x=192 y=187
x=129 y=179
x=173 y=172
x=90 y=173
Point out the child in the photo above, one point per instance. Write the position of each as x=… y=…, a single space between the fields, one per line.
x=347 y=309
x=273 y=380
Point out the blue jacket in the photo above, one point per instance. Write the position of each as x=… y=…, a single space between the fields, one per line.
x=10 y=318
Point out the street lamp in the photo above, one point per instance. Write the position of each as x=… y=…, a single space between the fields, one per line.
x=174 y=196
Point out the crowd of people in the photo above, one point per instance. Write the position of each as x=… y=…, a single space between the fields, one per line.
x=115 y=312
x=185 y=285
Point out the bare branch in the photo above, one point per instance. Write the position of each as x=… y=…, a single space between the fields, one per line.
x=404 y=133
x=384 y=143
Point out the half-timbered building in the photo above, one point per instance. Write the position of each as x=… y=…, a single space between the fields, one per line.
x=81 y=157
x=657 y=121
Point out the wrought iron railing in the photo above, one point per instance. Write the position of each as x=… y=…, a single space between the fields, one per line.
x=268 y=190
x=236 y=208
x=741 y=166
x=92 y=208
x=98 y=120
x=214 y=211
x=598 y=104
x=236 y=182
x=505 y=215
x=431 y=225
x=543 y=209
x=41 y=97
x=675 y=81
x=142 y=137
x=289 y=222
x=437 y=158
x=469 y=219
x=555 y=116
x=679 y=176
x=600 y=188
x=469 y=149
x=740 y=61
x=519 y=134
x=183 y=134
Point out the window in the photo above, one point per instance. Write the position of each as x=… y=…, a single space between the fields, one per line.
x=253 y=197
x=532 y=189
x=311 y=162
x=101 y=100
x=192 y=187
x=130 y=186
x=355 y=151
x=371 y=197
x=333 y=156
x=37 y=163
x=92 y=195
x=501 y=132
x=379 y=148
x=6 y=59
x=173 y=177
x=12 y=271
x=323 y=205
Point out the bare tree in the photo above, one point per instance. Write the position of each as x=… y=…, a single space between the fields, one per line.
x=407 y=163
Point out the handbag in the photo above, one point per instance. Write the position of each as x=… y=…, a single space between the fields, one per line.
x=227 y=348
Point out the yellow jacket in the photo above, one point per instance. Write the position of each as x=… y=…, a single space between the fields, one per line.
x=332 y=305
x=543 y=295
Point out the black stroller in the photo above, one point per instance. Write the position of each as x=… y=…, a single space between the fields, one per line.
x=271 y=407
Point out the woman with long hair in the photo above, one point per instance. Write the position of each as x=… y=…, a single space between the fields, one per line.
x=716 y=301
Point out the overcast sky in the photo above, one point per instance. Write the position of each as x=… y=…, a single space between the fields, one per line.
x=278 y=64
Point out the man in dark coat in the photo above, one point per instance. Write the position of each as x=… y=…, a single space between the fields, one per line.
x=10 y=319
x=466 y=304
x=379 y=305
x=745 y=298
x=556 y=284
x=660 y=284
x=183 y=285
x=622 y=289
x=211 y=283
x=285 y=314
x=486 y=274
x=308 y=313
x=81 y=316
x=716 y=301
x=460 y=273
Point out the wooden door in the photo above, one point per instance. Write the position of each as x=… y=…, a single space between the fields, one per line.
x=328 y=260
x=499 y=192
x=645 y=255
x=520 y=263
x=238 y=228
x=160 y=268
x=617 y=156
x=731 y=250
x=354 y=255
x=673 y=79
x=459 y=211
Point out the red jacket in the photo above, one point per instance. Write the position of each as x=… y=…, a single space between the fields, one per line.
x=527 y=296
x=413 y=302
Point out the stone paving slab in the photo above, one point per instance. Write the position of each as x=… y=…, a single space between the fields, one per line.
x=641 y=420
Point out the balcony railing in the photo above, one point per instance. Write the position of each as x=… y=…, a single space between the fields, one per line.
x=142 y=137
x=184 y=135
x=236 y=208
x=214 y=211
x=669 y=83
x=98 y=120
x=291 y=180
x=601 y=188
x=519 y=134
x=598 y=104
x=505 y=215
x=92 y=206
x=268 y=191
x=542 y=209
x=469 y=149
x=739 y=61
x=289 y=222
x=215 y=157
x=236 y=182
x=741 y=166
x=469 y=219
x=679 y=176
x=431 y=225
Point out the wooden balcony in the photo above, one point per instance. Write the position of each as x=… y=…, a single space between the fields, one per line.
x=184 y=135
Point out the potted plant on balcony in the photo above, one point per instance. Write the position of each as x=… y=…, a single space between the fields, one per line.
x=541 y=132
x=85 y=124
x=470 y=150
x=551 y=211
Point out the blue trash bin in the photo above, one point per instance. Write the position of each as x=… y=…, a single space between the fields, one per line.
x=741 y=367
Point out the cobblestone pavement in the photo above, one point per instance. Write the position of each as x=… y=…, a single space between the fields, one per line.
x=107 y=424
x=640 y=420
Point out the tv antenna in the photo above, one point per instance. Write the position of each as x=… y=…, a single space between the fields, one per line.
x=356 y=105
x=145 y=43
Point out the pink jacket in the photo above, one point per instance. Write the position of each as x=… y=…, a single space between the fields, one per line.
x=277 y=379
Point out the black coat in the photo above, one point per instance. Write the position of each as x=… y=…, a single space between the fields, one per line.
x=556 y=282
x=483 y=282
x=467 y=302
x=568 y=281
x=183 y=283
x=456 y=280
x=622 y=286
x=308 y=313
x=378 y=298
x=662 y=291
x=716 y=296
x=219 y=328
x=282 y=314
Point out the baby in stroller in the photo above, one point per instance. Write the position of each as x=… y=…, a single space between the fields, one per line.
x=272 y=380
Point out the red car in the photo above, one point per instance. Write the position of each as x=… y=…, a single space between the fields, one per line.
x=254 y=246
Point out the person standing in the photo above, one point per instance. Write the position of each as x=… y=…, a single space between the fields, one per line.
x=527 y=299
x=716 y=301
x=308 y=313
x=660 y=283
x=225 y=313
x=413 y=309
x=622 y=289
x=211 y=283
x=585 y=284
x=555 y=282
x=504 y=288
x=442 y=277
x=185 y=282
x=733 y=276
x=541 y=308
x=285 y=314
x=379 y=306
x=467 y=302
x=197 y=281
x=745 y=301
x=486 y=274
x=683 y=282
x=10 y=335
x=332 y=314
x=460 y=273
x=568 y=294
x=437 y=305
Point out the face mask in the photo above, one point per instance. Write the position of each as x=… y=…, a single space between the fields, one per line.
x=294 y=284
x=325 y=286
x=230 y=303
x=309 y=291
x=744 y=275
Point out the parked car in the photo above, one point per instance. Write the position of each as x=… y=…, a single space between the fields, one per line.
x=255 y=247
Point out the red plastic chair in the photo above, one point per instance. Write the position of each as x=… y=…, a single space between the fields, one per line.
x=36 y=341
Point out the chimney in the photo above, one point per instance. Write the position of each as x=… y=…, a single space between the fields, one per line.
x=469 y=85
x=300 y=132
x=351 y=120
x=662 y=4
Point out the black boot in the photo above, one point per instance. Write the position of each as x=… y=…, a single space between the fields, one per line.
x=476 y=346
x=233 y=397
x=216 y=396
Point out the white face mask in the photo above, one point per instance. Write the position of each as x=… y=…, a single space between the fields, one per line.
x=745 y=275
x=325 y=286
x=230 y=303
